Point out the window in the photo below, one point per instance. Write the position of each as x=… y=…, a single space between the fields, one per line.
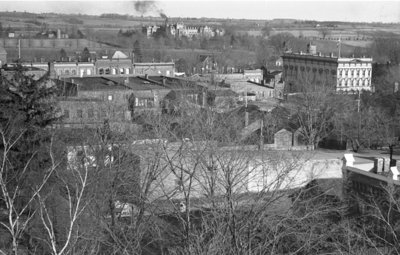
x=66 y=114
x=90 y=113
x=193 y=98
x=144 y=102
x=73 y=72
x=101 y=71
x=79 y=113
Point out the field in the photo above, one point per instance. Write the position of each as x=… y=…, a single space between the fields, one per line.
x=356 y=38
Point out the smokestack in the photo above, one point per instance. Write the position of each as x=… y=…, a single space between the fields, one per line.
x=52 y=71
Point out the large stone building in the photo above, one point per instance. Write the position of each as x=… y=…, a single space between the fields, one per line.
x=347 y=75
x=117 y=65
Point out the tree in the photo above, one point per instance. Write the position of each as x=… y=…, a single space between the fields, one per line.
x=63 y=55
x=264 y=53
x=312 y=111
x=282 y=42
x=137 y=49
x=324 y=31
x=85 y=57
x=26 y=109
x=266 y=30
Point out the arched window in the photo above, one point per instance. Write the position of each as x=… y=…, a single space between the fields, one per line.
x=73 y=72
x=66 y=72
x=101 y=71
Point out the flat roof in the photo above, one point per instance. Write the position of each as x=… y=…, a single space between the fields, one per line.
x=114 y=83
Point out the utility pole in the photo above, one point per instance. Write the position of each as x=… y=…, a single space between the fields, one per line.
x=19 y=48
x=359 y=116
x=246 y=113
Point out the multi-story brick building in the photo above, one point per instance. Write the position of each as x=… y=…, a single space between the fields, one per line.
x=114 y=66
x=343 y=74
x=90 y=100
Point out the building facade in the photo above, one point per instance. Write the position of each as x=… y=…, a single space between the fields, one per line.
x=348 y=75
x=105 y=67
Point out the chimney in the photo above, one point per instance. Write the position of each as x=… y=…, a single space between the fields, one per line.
x=331 y=54
x=146 y=76
x=51 y=71
x=378 y=166
x=395 y=173
x=319 y=54
x=164 y=81
x=386 y=165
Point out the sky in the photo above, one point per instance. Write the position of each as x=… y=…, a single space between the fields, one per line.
x=323 y=10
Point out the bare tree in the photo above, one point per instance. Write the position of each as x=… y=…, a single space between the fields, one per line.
x=18 y=215
x=75 y=181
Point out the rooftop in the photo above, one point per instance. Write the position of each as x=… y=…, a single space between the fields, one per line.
x=118 y=83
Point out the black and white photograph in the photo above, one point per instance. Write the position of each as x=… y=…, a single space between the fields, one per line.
x=199 y=127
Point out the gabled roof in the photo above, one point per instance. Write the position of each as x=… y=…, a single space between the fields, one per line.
x=119 y=54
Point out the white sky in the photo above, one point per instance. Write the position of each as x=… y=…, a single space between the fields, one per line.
x=354 y=10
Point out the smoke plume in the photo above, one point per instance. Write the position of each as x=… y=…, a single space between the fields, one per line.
x=162 y=15
x=144 y=7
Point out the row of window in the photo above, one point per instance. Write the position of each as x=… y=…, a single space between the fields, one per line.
x=308 y=69
x=101 y=71
x=354 y=82
x=355 y=73
x=93 y=115
x=355 y=64
x=364 y=188
x=82 y=71
x=115 y=71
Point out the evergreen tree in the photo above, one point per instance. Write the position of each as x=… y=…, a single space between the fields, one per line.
x=85 y=55
x=27 y=110
x=137 y=49
x=63 y=55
